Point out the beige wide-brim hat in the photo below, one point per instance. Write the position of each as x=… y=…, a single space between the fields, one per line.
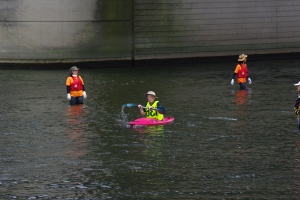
x=242 y=57
x=297 y=84
x=150 y=93
x=74 y=68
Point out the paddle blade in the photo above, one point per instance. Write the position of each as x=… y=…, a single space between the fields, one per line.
x=129 y=105
x=161 y=110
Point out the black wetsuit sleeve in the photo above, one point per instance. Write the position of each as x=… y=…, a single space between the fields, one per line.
x=159 y=104
x=234 y=75
x=68 y=89
x=161 y=111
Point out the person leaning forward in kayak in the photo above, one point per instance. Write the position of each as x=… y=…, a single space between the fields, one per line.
x=149 y=111
x=241 y=72
x=75 y=87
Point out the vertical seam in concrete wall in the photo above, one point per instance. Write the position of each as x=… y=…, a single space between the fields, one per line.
x=133 y=35
x=277 y=20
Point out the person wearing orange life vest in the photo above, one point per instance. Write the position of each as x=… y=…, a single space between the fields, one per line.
x=297 y=105
x=75 y=87
x=241 y=72
x=149 y=111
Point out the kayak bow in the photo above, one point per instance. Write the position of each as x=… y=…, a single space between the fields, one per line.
x=151 y=121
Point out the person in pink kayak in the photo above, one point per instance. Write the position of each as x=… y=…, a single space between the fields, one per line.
x=150 y=111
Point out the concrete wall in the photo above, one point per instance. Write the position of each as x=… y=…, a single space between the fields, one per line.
x=59 y=30
x=192 y=28
x=90 y=30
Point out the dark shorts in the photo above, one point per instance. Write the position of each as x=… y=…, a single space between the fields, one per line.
x=76 y=100
x=243 y=86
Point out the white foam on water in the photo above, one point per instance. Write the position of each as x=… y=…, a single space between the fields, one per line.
x=223 y=118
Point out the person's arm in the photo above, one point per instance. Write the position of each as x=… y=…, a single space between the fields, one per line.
x=248 y=77
x=68 y=89
x=232 y=79
x=159 y=104
x=296 y=107
x=234 y=76
x=249 y=80
x=142 y=110
x=237 y=68
x=162 y=110
x=83 y=88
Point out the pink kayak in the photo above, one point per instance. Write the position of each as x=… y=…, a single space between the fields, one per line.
x=151 y=122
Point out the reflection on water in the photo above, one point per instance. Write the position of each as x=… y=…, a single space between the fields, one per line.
x=224 y=144
x=241 y=96
x=152 y=138
x=75 y=129
x=148 y=130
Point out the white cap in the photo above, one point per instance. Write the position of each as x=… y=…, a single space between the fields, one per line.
x=297 y=84
x=151 y=93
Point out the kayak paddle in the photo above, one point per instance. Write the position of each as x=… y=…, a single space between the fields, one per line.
x=129 y=105
x=161 y=109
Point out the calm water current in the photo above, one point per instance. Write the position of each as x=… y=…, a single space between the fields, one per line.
x=224 y=143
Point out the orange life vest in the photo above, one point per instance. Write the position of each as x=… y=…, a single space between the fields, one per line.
x=76 y=84
x=243 y=72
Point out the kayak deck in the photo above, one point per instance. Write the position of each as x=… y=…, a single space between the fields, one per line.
x=151 y=122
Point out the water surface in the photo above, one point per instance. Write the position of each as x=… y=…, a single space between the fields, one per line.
x=224 y=143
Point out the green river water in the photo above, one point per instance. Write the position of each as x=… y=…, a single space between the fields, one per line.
x=223 y=144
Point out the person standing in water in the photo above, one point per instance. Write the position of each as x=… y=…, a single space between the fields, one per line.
x=149 y=111
x=297 y=105
x=75 y=87
x=241 y=72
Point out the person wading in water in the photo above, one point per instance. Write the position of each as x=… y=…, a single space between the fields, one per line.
x=241 y=72
x=75 y=87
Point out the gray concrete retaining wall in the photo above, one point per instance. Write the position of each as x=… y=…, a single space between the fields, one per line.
x=92 y=30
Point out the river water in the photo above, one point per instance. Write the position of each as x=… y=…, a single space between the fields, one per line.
x=223 y=144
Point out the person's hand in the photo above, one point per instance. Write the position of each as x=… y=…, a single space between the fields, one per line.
x=150 y=107
x=232 y=81
x=249 y=80
x=68 y=97
x=139 y=106
x=84 y=94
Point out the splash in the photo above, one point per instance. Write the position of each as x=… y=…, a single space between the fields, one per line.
x=123 y=117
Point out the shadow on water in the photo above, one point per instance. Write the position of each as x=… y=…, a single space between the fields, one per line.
x=224 y=143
